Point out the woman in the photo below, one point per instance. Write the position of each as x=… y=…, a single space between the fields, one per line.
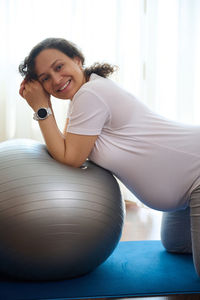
x=157 y=159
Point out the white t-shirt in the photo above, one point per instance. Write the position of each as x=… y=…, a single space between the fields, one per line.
x=158 y=160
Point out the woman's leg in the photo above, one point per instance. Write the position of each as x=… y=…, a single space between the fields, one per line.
x=176 y=232
x=195 y=227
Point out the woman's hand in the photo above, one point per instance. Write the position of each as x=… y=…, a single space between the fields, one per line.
x=34 y=94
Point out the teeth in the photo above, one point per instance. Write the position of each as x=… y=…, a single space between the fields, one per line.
x=64 y=86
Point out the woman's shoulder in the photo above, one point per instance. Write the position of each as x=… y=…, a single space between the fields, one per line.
x=96 y=79
x=101 y=85
x=94 y=86
x=94 y=76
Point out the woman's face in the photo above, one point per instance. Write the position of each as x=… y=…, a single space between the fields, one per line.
x=60 y=75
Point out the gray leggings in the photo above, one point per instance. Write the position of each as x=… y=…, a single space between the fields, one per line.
x=180 y=230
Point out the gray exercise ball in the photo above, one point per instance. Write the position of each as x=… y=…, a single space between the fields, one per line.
x=56 y=221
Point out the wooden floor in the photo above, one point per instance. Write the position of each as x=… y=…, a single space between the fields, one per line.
x=141 y=223
x=144 y=224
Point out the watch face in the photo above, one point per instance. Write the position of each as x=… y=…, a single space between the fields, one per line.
x=42 y=113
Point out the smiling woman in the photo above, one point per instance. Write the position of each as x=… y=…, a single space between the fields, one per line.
x=118 y=132
x=54 y=67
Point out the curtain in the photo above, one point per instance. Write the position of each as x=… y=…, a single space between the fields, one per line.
x=155 y=43
x=101 y=28
x=172 y=58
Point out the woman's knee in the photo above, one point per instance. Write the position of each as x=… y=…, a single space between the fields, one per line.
x=195 y=227
x=175 y=231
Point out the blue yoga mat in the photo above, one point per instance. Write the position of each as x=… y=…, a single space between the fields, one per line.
x=134 y=269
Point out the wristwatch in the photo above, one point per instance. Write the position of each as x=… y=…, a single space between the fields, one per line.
x=42 y=113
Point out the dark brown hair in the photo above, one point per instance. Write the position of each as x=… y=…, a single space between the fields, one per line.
x=27 y=67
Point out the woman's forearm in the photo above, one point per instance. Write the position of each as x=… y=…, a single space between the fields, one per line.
x=37 y=98
x=54 y=139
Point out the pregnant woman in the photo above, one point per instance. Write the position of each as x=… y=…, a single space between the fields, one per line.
x=157 y=159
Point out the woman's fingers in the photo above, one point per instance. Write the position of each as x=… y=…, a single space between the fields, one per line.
x=21 y=90
x=34 y=94
x=22 y=87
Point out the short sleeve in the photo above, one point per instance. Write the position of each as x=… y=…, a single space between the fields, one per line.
x=88 y=114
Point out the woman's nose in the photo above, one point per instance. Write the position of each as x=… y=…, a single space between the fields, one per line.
x=56 y=78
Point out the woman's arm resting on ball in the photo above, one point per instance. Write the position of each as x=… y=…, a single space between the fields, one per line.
x=78 y=148
x=71 y=149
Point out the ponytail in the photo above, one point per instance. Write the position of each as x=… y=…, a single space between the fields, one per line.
x=103 y=70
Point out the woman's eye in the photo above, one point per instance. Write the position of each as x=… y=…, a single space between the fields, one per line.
x=45 y=79
x=58 y=67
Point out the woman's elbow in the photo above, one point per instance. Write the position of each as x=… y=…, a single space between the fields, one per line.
x=75 y=163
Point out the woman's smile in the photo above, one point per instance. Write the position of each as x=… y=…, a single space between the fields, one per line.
x=64 y=87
